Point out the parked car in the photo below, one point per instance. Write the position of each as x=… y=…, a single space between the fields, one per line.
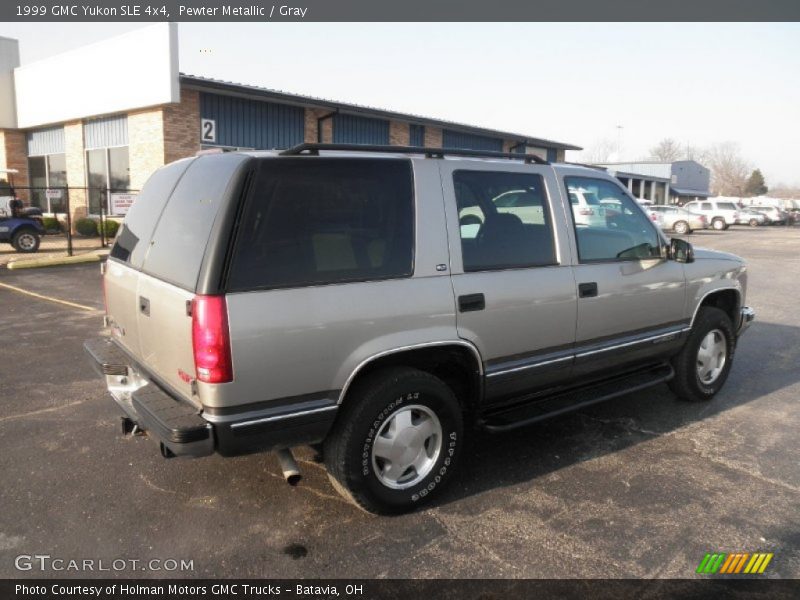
x=748 y=216
x=587 y=209
x=679 y=220
x=331 y=295
x=721 y=214
x=774 y=215
x=20 y=226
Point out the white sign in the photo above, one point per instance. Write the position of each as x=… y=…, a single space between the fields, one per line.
x=54 y=194
x=208 y=130
x=120 y=203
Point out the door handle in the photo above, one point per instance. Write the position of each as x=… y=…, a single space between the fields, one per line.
x=471 y=302
x=587 y=290
x=144 y=306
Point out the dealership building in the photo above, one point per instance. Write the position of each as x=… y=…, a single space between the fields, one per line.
x=103 y=130
x=663 y=182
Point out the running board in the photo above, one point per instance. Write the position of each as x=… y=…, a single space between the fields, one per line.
x=519 y=416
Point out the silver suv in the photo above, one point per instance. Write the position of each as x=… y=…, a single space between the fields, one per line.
x=380 y=302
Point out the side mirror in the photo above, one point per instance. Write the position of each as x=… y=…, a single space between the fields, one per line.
x=681 y=251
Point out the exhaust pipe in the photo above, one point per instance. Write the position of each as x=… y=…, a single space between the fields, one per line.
x=291 y=472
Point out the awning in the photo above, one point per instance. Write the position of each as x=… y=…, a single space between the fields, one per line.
x=687 y=192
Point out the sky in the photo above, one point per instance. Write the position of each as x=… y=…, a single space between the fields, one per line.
x=699 y=84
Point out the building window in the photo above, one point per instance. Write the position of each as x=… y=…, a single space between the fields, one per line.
x=47 y=172
x=108 y=172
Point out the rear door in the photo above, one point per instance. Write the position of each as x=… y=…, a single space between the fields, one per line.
x=127 y=255
x=630 y=298
x=172 y=266
x=510 y=270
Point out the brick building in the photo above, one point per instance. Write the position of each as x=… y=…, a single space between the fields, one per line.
x=62 y=125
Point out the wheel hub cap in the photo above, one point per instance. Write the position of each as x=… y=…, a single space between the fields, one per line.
x=407 y=447
x=26 y=241
x=711 y=356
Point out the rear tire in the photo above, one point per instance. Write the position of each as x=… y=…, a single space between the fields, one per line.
x=26 y=241
x=753 y=222
x=702 y=366
x=719 y=224
x=681 y=228
x=396 y=441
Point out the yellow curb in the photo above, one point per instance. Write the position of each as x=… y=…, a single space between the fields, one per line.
x=48 y=298
x=47 y=261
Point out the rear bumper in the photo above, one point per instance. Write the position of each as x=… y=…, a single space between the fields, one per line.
x=181 y=429
x=748 y=315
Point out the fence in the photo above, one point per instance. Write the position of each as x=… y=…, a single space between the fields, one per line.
x=77 y=219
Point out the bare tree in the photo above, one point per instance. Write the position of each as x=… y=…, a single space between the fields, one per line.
x=667 y=150
x=601 y=151
x=729 y=171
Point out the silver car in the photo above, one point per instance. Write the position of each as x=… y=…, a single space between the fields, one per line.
x=679 y=220
x=748 y=216
x=333 y=295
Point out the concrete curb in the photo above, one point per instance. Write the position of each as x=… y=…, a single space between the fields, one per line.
x=50 y=261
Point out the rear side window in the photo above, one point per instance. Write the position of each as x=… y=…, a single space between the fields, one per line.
x=726 y=205
x=315 y=221
x=181 y=236
x=504 y=220
x=134 y=237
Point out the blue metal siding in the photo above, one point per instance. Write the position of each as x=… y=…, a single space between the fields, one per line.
x=468 y=141
x=46 y=141
x=243 y=123
x=106 y=132
x=348 y=129
x=552 y=155
x=417 y=135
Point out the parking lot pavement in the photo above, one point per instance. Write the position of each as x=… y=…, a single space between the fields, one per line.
x=642 y=486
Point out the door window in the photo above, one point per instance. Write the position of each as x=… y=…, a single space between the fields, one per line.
x=504 y=221
x=617 y=229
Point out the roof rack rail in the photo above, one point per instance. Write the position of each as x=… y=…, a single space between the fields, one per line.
x=314 y=150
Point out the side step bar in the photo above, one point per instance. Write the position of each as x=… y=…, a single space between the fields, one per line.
x=519 y=416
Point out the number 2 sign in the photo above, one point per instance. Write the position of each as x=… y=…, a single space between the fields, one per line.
x=208 y=130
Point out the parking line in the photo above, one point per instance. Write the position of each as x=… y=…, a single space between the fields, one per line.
x=49 y=298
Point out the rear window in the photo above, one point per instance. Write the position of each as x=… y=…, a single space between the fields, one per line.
x=181 y=236
x=320 y=221
x=726 y=206
x=137 y=229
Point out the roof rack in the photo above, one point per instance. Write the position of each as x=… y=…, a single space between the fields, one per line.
x=314 y=150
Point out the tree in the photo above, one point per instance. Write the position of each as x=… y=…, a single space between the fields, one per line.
x=602 y=151
x=667 y=150
x=755 y=186
x=728 y=169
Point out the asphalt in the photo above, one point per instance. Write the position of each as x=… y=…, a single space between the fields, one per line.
x=641 y=486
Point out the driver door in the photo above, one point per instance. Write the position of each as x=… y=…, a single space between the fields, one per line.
x=630 y=297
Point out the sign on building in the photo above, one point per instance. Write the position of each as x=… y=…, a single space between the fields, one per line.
x=120 y=203
x=208 y=130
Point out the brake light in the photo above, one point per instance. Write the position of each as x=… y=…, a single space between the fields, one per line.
x=211 y=342
x=653 y=217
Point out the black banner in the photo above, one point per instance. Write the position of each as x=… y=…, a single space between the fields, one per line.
x=483 y=589
x=401 y=10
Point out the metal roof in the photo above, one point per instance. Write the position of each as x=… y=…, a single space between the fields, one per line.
x=207 y=83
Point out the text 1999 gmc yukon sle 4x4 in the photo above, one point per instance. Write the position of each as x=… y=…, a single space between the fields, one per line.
x=381 y=301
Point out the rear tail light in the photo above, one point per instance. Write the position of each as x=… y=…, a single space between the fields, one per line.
x=653 y=217
x=586 y=212
x=211 y=342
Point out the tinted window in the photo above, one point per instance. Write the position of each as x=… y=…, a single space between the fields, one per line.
x=179 y=242
x=705 y=206
x=504 y=220
x=618 y=229
x=137 y=229
x=320 y=221
x=726 y=205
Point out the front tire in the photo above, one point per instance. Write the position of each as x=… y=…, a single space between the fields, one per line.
x=753 y=222
x=702 y=366
x=26 y=241
x=396 y=442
